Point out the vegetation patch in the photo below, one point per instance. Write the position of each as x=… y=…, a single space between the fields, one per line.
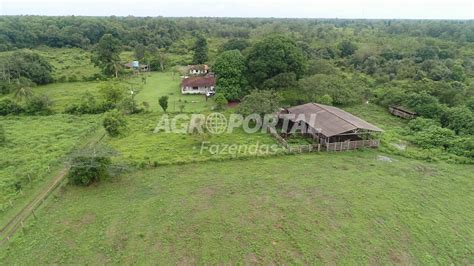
x=328 y=208
x=33 y=147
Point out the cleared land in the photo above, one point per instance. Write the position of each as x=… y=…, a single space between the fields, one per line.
x=167 y=84
x=33 y=150
x=315 y=208
x=142 y=146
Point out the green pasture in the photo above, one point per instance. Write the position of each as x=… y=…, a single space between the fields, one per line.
x=326 y=208
x=34 y=147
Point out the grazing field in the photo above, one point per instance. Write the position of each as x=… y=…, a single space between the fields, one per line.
x=64 y=94
x=69 y=64
x=141 y=145
x=336 y=208
x=158 y=84
x=34 y=147
x=168 y=84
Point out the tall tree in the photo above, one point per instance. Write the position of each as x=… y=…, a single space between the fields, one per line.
x=230 y=70
x=200 y=50
x=274 y=55
x=107 y=55
x=346 y=48
x=30 y=65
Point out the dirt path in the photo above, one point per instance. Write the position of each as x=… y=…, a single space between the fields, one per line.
x=17 y=221
x=29 y=209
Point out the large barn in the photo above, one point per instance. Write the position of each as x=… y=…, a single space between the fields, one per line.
x=330 y=126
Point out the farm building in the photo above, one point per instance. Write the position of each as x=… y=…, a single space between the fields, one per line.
x=198 y=85
x=401 y=112
x=329 y=126
x=196 y=70
x=135 y=65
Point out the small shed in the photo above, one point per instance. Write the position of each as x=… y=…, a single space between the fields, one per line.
x=136 y=66
x=402 y=112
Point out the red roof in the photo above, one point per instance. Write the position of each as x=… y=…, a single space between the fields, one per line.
x=207 y=81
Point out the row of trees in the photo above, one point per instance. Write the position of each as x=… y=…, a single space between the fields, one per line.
x=32 y=31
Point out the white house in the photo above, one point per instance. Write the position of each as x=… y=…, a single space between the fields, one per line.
x=198 y=85
x=196 y=70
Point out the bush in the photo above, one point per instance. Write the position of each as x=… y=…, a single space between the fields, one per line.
x=88 y=105
x=424 y=104
x=90 y=165
x=434 y=137
x=163 y=101
x=325 y=99
x=6 y=87
x=114 y=123
x=3 y=138
x=420 y=124
x=343 y=91
x=221 y=101
x=8 y=106
x=113 y=93
x=129 y=106
x=39 y=105
x=463 y=147
x=460 y=119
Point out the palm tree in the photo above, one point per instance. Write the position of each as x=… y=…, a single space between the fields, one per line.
x=23 y=90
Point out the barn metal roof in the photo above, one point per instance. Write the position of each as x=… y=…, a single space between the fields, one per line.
x=329 y=120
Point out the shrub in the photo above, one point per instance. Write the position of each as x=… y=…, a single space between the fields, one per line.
x=87 y=105
x=129 y=106
x=113 y=93
x=6 y=87
x=434 y=137
x=72 y=78
x=325 y=99
x=8 y=106
x=146 y=106
x=424 y=104
x=90 y=165
x=460 y=119
x=163 y=101
x=3 y=138
x=39 y=105
x=463 y=146
x=221 y=101
x=114 y=123
x=87 y=170
x=420 y=124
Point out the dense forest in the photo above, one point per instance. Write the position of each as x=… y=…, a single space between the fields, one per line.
x=424 y=65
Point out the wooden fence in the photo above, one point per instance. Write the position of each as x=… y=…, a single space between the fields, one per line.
x=334 y=146
x=352 y=145
x=304 y=148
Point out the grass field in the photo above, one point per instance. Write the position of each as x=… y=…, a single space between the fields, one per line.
x=33 y=149
x=158 y=84
x=166 y=84
x=141 y=146
x=336 y=208
x=64 y=94
x=68 y=63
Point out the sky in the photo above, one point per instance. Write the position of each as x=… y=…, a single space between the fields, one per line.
x=392 y=9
